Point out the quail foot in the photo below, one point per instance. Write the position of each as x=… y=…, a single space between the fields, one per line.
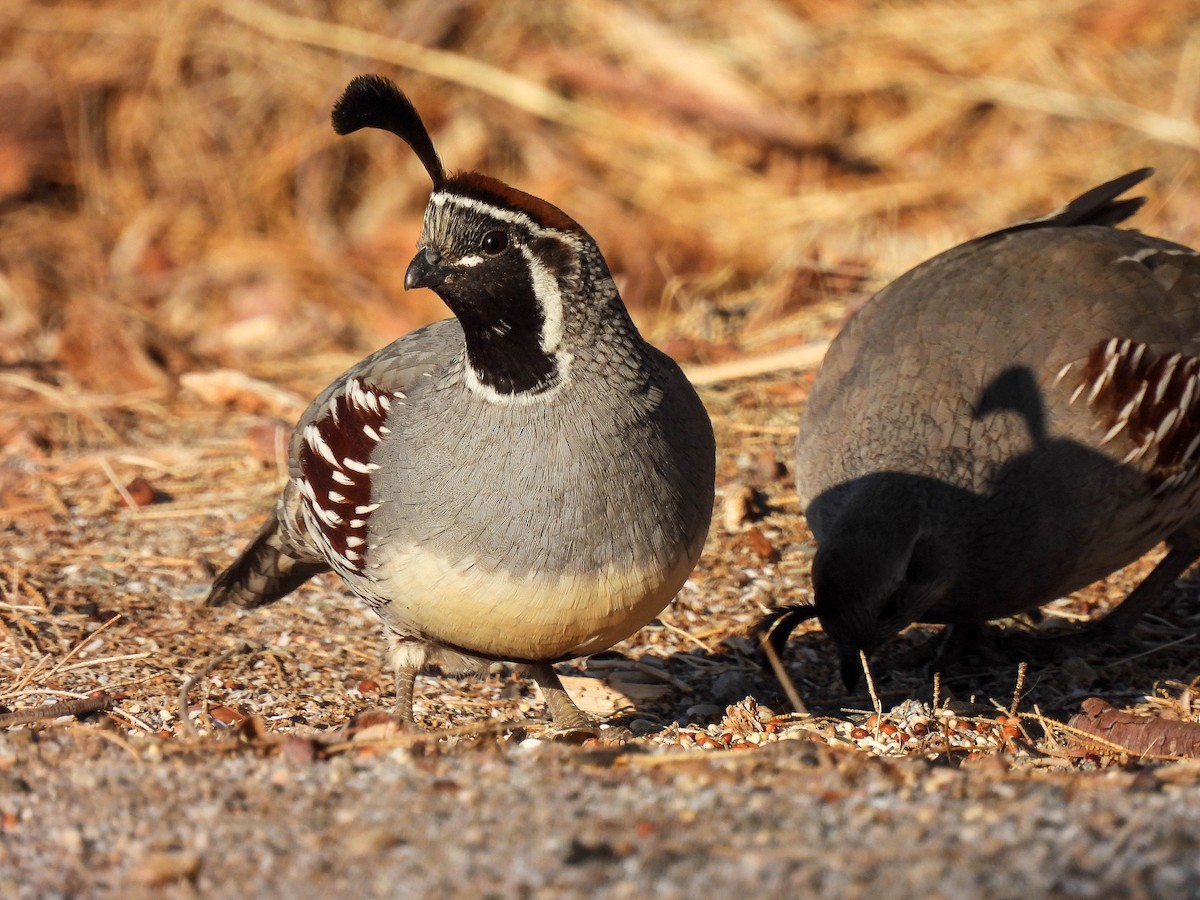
x=529 y=481
x=1005 y=424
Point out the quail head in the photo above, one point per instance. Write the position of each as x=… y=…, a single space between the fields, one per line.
x=1005 y=424
x=528 y=481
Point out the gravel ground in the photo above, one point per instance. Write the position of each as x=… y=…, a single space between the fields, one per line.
x=546 y=821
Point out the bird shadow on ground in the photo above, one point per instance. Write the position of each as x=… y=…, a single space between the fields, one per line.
x=981 y=664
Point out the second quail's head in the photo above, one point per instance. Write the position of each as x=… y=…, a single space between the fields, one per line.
x=869 y=584
x=506 y=263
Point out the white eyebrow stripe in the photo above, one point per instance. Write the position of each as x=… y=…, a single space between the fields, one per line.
x=441 y=198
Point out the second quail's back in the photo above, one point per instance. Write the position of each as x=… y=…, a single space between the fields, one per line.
x=1027 y=402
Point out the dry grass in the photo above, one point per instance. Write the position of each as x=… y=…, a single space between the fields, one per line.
x=173 y=197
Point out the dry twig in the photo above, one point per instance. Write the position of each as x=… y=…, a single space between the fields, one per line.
x=79 y=707
x=185 y=721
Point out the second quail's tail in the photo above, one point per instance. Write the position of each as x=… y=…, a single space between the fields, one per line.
x=267 y=570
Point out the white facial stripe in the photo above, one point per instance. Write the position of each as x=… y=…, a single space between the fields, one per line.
x=440 y=199
x=549 y=298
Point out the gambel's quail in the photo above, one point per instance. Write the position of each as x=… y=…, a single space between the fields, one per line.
x=1003 y=425
x=529 y=481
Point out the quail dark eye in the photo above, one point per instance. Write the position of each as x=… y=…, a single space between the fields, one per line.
x=494 y=242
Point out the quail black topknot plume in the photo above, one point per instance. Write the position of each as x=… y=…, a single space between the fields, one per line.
x=1003 y=425
x=529 y=481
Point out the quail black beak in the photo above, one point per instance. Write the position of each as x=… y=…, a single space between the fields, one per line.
x=424 y=270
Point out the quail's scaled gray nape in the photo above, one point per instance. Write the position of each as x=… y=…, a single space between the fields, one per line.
x=528 y=481
x=1003 y=425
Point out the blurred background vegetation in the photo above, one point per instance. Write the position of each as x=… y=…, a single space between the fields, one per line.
x=173 y=199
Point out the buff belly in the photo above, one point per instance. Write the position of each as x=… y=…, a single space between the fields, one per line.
x=532 y=617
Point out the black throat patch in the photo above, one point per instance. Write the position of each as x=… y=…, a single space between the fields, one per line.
x=504 y=323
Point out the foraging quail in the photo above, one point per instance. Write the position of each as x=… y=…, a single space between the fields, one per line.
x=1004 y=424
x=529 y=481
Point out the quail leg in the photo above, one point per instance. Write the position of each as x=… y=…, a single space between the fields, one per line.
x=408 y=656
x=562 y=708
x=1147 y=594
x=405 y=680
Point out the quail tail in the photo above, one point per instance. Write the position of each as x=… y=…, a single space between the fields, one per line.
x=265 y=571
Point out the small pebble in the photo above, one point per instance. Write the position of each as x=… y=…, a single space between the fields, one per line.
x=140 y=492
x=156 y=869
x=298 y=750
x=226 y=717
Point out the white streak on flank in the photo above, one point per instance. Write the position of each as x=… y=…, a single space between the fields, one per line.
x=1113 y=432
x=333 y=410
x=352 y=557
x=383 y=429
x=1167 y=484
x=312 y=437
x=1075 y=394
x=1110 y=369
x=1139 y=350
x=1165 y=379
x=367 y=510
x=371 y=433
x=1191 y=448
x=1128 y=408
x=1062 y=373
x=342 y=478
x=336 y=497
x=357 y=523
x=355 y=466
x=386 y=402
x=329 y=517
x=1189 y=390
x=362 y=397
x=1165 y=426
x=353 y=541
x=306 y=489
